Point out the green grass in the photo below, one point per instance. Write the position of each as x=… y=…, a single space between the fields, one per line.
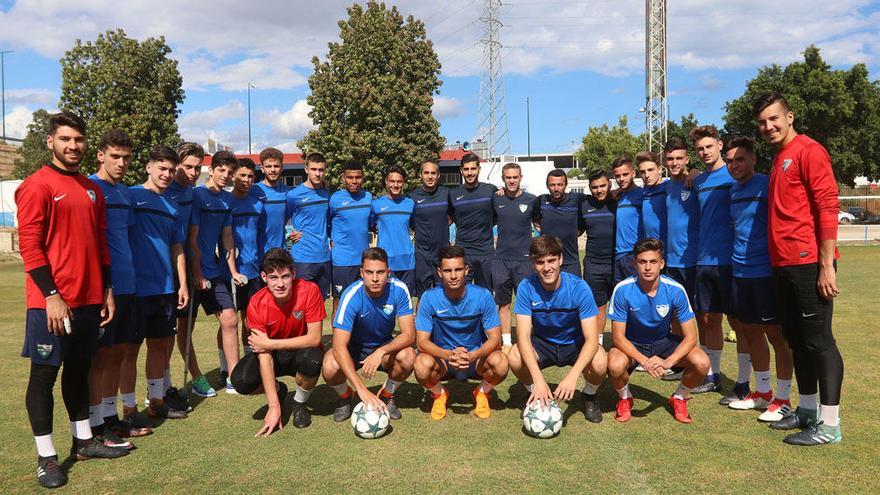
x=722 y=452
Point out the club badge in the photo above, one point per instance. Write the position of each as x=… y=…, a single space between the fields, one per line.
x=298 y=315
x=685 y=194
x=662 y=310
x=91 y=195
x=785 y=164
x=523 y=208
x=388 y=309
x=44 y=350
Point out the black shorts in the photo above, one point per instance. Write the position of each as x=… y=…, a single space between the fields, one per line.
x=754 y=300
x=462 y=374
x=551 y=354
x=44 y=347
x=246 y=376
x=573 y=268
x=687 y=277
x=506 y=276
x=408 y=277
x=360 y=352
x=244 y=293
x=623 y=268
x=319 y=273
x=805 y=316
x=599 y=277
x=343 y=276
x=480 y=269
x=123 y=329
x=426 y=275
x=662 y=348
x=217 y=298
x=156 y=315
x=714 y=284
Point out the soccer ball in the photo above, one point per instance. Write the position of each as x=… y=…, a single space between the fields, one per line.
x=542 y=422
x=369 y=423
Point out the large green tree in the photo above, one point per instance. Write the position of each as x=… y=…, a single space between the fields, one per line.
x=117 y=81
x=838 y=108
x=602 y=144
x=371 y=98
x=34 y=152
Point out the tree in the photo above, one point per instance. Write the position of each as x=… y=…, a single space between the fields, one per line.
x=838 y=108
x=682 y=130
x=371 y=98
x=601 y=145
x=117 y=81
x=34 y=152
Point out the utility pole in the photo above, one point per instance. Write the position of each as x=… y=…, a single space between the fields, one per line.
x=528 y=129
x=3 y=89
x=656 y=107
x=492 y=116
x=249 y=86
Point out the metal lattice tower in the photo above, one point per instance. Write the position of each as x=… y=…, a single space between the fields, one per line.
x=492 y=117
x=657 y=108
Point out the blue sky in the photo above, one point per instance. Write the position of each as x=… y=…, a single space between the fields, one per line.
x=581 y=63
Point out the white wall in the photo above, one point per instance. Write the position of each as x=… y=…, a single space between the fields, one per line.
x=534 y=175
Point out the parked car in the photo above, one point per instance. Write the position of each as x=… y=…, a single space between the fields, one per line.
x=845 y=218
x=857 y=211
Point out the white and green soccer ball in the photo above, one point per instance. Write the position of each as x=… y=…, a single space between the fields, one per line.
x=368 y=422
x=542 y=422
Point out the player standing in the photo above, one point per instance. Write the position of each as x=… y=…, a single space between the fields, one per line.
x=682 y=219
x=308 y=204
x=349 y=212
x=472 y=212
x=430 y=225
x=272 y=192
x=560 y=217
x=654 y=199
x=598 y=217
x=391 y=216
x=628 y=222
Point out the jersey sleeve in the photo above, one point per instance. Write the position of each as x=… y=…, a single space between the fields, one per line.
x=255 y=315
x=346 y=313
x=32 y=202
x=425 y=315
x=617 y=307
x=523 y=300
x=102 y=233
x=489 y=311
x=196 y=210
x=402 y=300
x=818 y=177
x=179 y=234
x=683 y=310
x=586 y=304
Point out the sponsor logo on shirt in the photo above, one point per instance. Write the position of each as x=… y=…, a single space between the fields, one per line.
x=345 y=203
x=458 y=198
x=139 y=203
x=419 y=201
x=591 y=210
x=383 y=208
x=59 y=198
x=441 y=311
x=662 y=310
x=501 y=206
x=303 y=200
x=388 y=309
x=535 y=303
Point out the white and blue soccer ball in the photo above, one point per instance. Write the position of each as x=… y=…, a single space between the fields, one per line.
x=542 y=422
x=368 y=422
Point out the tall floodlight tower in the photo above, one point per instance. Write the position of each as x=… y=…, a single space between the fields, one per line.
x=656 y=108
x=492 y=117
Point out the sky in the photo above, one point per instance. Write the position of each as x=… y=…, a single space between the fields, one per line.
x=580 y=63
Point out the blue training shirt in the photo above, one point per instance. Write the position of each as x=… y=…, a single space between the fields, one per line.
x=391 y=218
x=156 y=229
x=683 y=225
x=628 y=222
x=556 y=316
x=654 y=212
x=430 y=221
x=461 y=323
x=716 y=230
x=274 y=201
x=599 y=224
x=648 y=318
x=563 y=220
x=183 y=196
x=474 y=218
x=248 y=227
x=748 y=209
x=309 y=207
x=514 y=217
x=349 y=226
x=371 y=320
x=211 y=212
x=120 y=218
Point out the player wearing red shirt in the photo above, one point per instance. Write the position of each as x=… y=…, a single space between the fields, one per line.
x=802 y=223
x=63 y=243
x=285 y=319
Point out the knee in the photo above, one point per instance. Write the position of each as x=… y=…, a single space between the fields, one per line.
x=617 y=363
x=310 y=362
x=599 y=364
x=330 y=367
x=406 y=358
x=514 y=361
x=699 y=361
x=498 y=362
x=423 y=365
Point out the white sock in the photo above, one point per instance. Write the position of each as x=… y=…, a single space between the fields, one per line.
x=391 y=385
x=783 y=389
x=744 y=368
x=81 y=429
x=486 y=387
x=682 y=392
x=437 y=389
x=829 y=415
x=223 y=368
x=590 y=389
x=128 y=400
x=154 y=388
x=95 y=417
x=166 y=382
x=714 y=361
x=624 y=392
x=809 y=401
x=762 y=379
x=45 y=445
x=530 y=387
x=302 y=395
x=108 y=406
x=340 y=389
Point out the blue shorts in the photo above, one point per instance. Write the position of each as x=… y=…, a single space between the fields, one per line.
x=754 y=300
x=551 y=354
x=623 y=268
x=319 y=273
x=480 y=269
x=599 y=277
x=360 y=352
x=426 y=275
x=408 y=277
x=714 y=284
x=123 y=329
x=156 y=315
x=244 y=293
x=217 y=298
x=662 y=348
x=343 y=276
x=506 y=276
x=44 y=347
x=462 y=375
x=573 y=268
x=687 y=277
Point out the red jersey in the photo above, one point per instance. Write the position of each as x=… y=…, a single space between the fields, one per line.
x=802 y=203
x=306 y=306
x=62 y=224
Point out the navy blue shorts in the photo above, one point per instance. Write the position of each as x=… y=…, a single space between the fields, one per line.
x=408 y=277
x=623 y=268
x=599 y=277
x=123 y=329
x=244 y=293
x=217 y=298
x=480 y=270
x=343 y=276
x=462 y=374
x=687 y=277
x=573 y=268
x=550 y=354
x=506 y=276
x=426 y=275
x=662 y=348
x=754 y=300
x=156 y=315
x=44 y=347
x=319 y=273
x=714 y=284
x=359 y=352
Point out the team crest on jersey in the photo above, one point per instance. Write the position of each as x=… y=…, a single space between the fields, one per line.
x=388 y=309
x=662 y=310
x=685 y=194
x=44 y=350
x=298 y=315
x=91 y=194
x=523 y=208
x=785 y=164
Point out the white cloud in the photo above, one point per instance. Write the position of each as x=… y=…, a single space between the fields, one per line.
x=447 y=108
x=209 y=119
x=31 y=97
x=291 y=124
x=17 y=121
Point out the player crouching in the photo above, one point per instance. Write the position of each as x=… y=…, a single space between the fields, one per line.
x=285 y=319
x=641 y=310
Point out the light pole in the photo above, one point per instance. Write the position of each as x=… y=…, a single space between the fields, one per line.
x=249 y=86
x=528 y=129
x=3 y=89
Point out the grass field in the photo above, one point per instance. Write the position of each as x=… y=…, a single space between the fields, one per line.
x=214 y=451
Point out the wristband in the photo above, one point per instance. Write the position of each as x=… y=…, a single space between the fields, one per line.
x=42 y=277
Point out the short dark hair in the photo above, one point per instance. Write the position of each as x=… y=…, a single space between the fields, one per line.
x=222 y=158
x=674 y=144
x=66 y=119
x=395 y=169
x=767 y=99
x=511 y=165
x=271 y=154
x=352 y=165
x=375 y=254
x=450 y=251
x=741 y=142
x=647 y=156
x=622 y=160
x=704 y=131
x=429 y=160
x=545 y=245
x=648 y=244
x=162 y=153
x=598 y=174
x=186 y=150
x=557 y=172
x=470 y=158
x=315 y=158
x=245 y=163
x=276 y=259
x=115 y=137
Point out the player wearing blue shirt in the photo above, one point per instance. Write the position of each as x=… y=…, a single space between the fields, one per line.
x=556 y=326
x=474 y=217
x=349 y=212
x=641 y=312
x=654 y=200
x=458 y=336
x=363 y=337
x=598 y=216
x=272 y=192
x=308 y=204
x=754 y=300
x=430 y=225
x=628 y=221
x=560 y=217
x=682 y=219
x=390 y=217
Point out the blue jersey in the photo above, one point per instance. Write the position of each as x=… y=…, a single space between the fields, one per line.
x=371 y=320
x=748 y=209
x=563 y=221
x=309 y=207
x=716 y=229
x=461 y=323
x=248 y=226
x=274 y=201
x=430 y=221
x=183 y=196
x=120 y=218
x=211 y=212
x=349 y=226
x=598 y=220
x=628 y=221
x=556 y=316
x=683 y=225
x=155 y=231
x=654 y=212
x=474 y=217
x=648 y=318
x=514 y=217
x=391 y=218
